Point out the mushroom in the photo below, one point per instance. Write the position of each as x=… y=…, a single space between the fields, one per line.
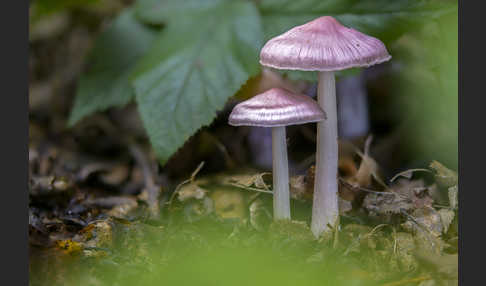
x=324 y=45
x=277 y=108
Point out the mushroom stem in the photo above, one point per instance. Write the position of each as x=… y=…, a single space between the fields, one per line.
x=325 y=204
x=281 y=196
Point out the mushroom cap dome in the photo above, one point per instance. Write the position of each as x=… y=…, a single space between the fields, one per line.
x=276 y=107
x=323 y=44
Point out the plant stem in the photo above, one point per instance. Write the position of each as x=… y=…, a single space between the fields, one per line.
x=281 y=195
x=325 y=204
x=152 y=189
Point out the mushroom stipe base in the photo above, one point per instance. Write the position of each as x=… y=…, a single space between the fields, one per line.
x=281 y=195
x=325 y=210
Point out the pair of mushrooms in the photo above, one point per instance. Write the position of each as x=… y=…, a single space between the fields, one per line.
x=322 y=45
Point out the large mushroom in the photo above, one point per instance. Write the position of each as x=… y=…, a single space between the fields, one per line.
x=324 y=45
x=277 y=108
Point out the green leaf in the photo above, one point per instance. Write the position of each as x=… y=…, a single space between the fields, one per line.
x=115 y=53
x=197 y=63
x=208 y=50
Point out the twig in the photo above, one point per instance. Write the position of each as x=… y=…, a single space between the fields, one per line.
x=443 y=206
x=376 y=228
x=404 y=173
x=251 y=188
x=347 y=184
x=191 y=179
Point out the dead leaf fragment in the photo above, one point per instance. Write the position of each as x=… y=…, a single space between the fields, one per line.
x=191 y=190
x=446 y=216
x=427 y=218
x=366 y=171
x=368 y=167
x=256 y=180
x=402 y=196
x=444 y=176
x=452 y=194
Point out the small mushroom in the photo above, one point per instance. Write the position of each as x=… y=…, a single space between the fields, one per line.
x=324 y=45
x=277 y=108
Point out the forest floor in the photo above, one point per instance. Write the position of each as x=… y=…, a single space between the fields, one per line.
x=115 y=222
x=102 y=211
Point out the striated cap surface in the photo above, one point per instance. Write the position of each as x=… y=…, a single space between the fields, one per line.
x=323 y=44
x=276 y=107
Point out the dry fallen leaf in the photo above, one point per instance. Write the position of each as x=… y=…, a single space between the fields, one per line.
x=452 y=194
x=354 y=180
x=191 y=190
x=444 y=176
x=446 y=216
x=402 y=196
x=368 y=168
x=427 y=218
x=256 y=180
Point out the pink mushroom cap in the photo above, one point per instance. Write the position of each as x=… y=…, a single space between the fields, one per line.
x=276 y=107
x=323 y=44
